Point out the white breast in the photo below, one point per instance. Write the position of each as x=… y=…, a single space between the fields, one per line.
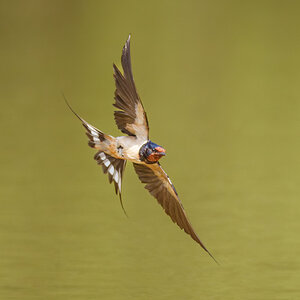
x=131 y=147
x=132 y=152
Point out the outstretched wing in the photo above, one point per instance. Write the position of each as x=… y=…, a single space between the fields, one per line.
x=114 y=168
x=160 y=186
x=131 y=119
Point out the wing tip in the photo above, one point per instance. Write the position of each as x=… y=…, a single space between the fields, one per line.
x=212 y=257
x=203 y=247
x=126 y=48
x=128 y=40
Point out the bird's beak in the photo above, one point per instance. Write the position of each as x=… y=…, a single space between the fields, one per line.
x=160 y=151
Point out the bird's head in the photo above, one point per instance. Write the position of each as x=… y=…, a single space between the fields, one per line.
x=150 y=152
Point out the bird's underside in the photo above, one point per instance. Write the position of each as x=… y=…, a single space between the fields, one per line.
x=113 y=153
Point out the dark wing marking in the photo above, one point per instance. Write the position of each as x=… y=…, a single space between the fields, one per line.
x=160 y=186
x=114 y=168
x=131 y=119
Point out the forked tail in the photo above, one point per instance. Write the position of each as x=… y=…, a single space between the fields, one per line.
x=97 y=139
x=112 y=166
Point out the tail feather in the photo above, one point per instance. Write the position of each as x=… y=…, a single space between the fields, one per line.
x=112 y=166
x=97 y=139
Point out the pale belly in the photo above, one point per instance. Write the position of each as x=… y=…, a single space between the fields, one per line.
x=129 y=147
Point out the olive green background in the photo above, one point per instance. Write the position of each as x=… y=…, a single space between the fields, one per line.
x=220 y=83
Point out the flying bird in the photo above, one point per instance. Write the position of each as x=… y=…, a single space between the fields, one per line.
x=136 y=147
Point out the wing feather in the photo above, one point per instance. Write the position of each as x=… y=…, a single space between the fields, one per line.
x=160 y=186
x=131 y=119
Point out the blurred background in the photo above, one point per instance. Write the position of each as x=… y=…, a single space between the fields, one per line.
x=220 y=83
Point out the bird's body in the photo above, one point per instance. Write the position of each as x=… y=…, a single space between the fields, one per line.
x=128 y=147
x=136 y=147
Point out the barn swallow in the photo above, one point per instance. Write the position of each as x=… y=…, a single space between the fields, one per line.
x=136 y=147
